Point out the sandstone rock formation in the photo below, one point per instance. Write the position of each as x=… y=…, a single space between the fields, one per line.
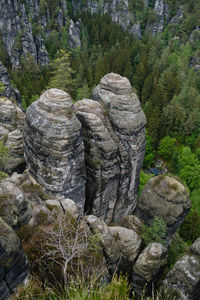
x=184 y=279
x=165 y=197
x=14 y=267
x=114 y=138
x=53 y=144
x=9 y=90
x=14 y=207
x=120 y=245
x=147 y=267
x=128 y=243
x=16 y=29
x=11 y=124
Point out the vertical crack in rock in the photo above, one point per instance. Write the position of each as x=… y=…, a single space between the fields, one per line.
x=114 y=144
x=54 y=149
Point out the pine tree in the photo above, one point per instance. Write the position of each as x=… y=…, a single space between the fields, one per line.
x=62 y=72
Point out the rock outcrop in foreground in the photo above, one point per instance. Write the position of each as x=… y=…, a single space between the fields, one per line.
x=114 y=138
x=14 y=267
x=167 y=198
x=183 y=280
x=53 y=144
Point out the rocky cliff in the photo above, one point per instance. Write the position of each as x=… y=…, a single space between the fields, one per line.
x=114 y=138
x=24 y=26
x=8 y=90
x=11 y=125
x=53 y=145
x=114 y=143
x=88 y=157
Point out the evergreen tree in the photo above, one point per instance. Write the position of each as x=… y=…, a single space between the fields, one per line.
x=62 y=72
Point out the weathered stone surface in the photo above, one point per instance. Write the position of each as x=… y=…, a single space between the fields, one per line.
x=14 y=207
x=131 y=222
x=120 y=245
x=128 y=243
x=150 y=261
x=9 y=90
x=184 y=279
x=165 y=197
x=16 y=151
x=103 y=169
x=14 y=267
x=63 y=205
x=147 y=266
x=74 y=34
x=124 y=121
x=53 y=144
x=110 y=247
x=16 y=30
x=69 y=207
x=11 y=125
x=53 y=205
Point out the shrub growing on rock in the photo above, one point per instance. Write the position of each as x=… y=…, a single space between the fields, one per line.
x=156 y=232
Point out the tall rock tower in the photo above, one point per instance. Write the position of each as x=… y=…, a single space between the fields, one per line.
x=53 y=144
x=114 y=137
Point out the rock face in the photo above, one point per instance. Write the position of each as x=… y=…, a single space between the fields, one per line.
x=14 y=267
x=129 y=243
x=74 y=34
x=184 y=279
x=11 y=124
x=53 y=144
x=120 y=245
x=114 y=138
x=14 y=207
x=165 y=197
x=24 y=26
x=9 y=91
x=147 y=266
x=17 y=32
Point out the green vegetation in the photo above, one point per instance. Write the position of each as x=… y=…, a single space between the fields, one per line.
x=3 y=157
x=61 y=71
x=154 y=233
x=2 y=87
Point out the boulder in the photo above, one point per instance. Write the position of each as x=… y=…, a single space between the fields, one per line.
x=110 y=247
x=120 y=245
x=114 y=138
x=131 y=222
x=148 y=265
x=53 y=144
x=14 y=267
x=167 y=198
x=128 y=243
x=14 y=206
x=183 y=280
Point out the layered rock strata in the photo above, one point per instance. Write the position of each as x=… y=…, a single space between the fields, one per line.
x=14 y=206
x=167 y=198
x=147 y=267
x=14 y=267
x=183 y=281
x=53 y=144
x=114 y=138
x=121 y=246
x=11 y=125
